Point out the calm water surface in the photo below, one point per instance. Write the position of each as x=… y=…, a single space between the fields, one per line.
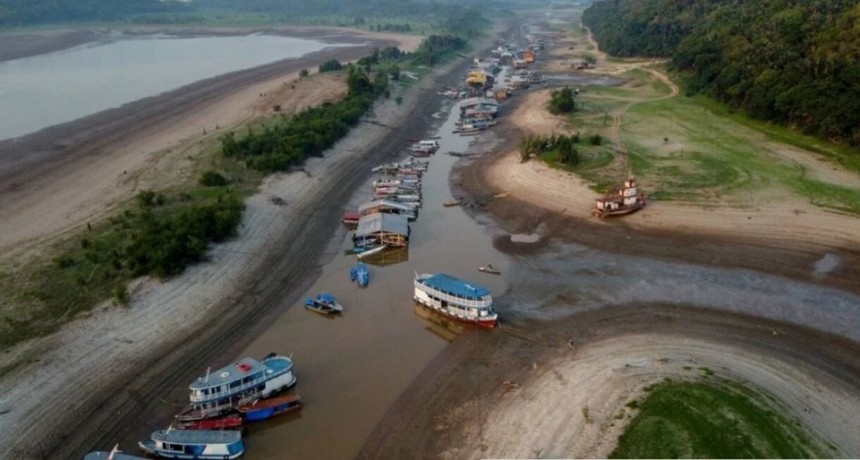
x=53 y=88
x=351 y=369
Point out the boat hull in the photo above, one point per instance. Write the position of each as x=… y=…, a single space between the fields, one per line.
x=487 y=323
x=231 y=421
x=267 y=409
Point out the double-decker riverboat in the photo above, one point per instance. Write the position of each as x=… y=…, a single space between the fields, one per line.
x=221 y=392
x=195 y=444
x=455 y=298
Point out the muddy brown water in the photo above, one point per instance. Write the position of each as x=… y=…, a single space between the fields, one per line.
x=351 y=368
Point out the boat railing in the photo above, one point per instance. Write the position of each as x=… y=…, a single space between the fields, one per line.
x=197 y=396
x=442 y=295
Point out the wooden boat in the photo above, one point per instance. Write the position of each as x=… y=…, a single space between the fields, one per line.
x=219 y=393
x=450 y=203
x=455 y=298
x=350 y=219
x=265 y=409
x=360 y=274
x=114 y=454
x=222 y=423
x=195 y=444
x=371 y=252
x=490 y=268
x=622 y=200
x=323 y=303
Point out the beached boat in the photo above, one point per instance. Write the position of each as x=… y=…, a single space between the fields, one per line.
x=219 y=393
x=350 y=219
x=455 y=298
x=450 y=203
x=220 y=423
x=323 y=303
x=371 y=252
x=622 y=200
x=195 y=444
x=490 y=268
x=360 y=274
x=265 y=409
x=114 y=454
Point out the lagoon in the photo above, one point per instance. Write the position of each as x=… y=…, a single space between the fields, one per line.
x=48 y=89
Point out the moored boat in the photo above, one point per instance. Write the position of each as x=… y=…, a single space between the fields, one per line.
x=451 y=203
x=221 y=423
x=114 y=454
x=267 y=408
x=371 y=252
x=219 y=393
x=360 y=274
x=455 y=298
x=323 y=303
x=195 y=444
x=490 y=268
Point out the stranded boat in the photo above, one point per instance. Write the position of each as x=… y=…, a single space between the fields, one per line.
x=490 y=268
x=221 y=392
x=221 y=423
x=622 y=200
x=455 y=298
x=265 y=409
x=114 y=454
x=194 y=444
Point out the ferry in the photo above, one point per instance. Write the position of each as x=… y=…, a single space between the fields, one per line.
x=195 y=444
x=455 y=298
x=221 y=392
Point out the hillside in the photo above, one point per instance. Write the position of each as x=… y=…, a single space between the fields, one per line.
x=794 y=62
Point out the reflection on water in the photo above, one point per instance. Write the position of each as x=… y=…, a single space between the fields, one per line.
x=439 y=325
x=389 y=256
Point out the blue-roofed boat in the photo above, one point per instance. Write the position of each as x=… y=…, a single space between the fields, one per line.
x=265 y=409
x=195 y=444
x=360 y=274
x=114 y=454
x=323 y=303
x=455 y=298
x=219 y=393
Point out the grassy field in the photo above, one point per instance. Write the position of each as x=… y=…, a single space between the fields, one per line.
x=693 y=149
x=712 y=419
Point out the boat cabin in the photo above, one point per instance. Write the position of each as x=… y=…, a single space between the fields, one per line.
x=387 y=229
x=385 y=206
x=203 y=444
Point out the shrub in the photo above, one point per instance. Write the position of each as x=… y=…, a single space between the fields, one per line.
x=330 y=66
x=213 y=179
x=595 y=139
x=561 y=101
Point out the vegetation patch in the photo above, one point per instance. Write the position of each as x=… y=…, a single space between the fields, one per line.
x=712 y=420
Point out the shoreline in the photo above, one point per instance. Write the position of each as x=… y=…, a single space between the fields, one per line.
x=220 y=304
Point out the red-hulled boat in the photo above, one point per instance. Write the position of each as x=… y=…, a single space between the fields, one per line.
x=350 y=219
x=221 y=423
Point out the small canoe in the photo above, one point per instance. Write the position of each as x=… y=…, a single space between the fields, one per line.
x=231 y=421
x=323 y=303
x=360 y=274
x=448 y=204
x=265 y=409
x=490 y=269
x=371 y=252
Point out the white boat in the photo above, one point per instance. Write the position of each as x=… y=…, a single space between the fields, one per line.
x=455 y=298
x=371 y=252
x=195 y=444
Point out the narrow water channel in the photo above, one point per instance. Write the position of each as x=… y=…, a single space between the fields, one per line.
x=352 y=368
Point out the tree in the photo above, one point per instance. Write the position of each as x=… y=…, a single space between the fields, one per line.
x=561 y=101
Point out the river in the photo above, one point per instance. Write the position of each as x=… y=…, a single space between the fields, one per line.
x=53 y=88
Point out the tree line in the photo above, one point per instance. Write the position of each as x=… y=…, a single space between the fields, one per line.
x=794 y=62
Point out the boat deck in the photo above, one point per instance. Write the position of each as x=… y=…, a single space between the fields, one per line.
x=197 y=436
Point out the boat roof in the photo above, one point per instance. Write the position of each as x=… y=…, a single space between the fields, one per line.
x=197 y=436
x=227 y=374
x=388 y=203
x=455 y=286
x=107 y=455
x=393 y=223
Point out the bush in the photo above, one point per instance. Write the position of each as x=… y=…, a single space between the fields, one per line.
x=561 y=101
x=330 y=66
x=595 y=139
x=213 y=179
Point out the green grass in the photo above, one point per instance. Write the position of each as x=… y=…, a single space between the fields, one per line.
x=712 y=420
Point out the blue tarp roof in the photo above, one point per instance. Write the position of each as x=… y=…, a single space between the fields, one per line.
x=456 y=286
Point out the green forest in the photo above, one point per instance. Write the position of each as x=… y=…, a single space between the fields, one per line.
x=794 y=62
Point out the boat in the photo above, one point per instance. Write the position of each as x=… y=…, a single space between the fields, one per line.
x=219 y=393
x=490 y=268
x=371 y=252
x=114 y=454
x=360 y=274
x=195 y=444
x=621 y=200
x=455 y=298
x=221 y=423
x=450 y=203
x=350 y=219
x=265 y=409
x=323 y=303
